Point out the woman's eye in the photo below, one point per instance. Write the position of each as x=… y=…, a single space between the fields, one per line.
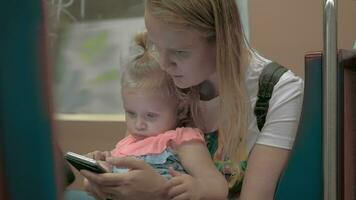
x=181 y=54
x=178 y=52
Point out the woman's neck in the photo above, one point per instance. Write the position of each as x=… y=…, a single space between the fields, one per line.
x=209 y=88
x=208 y=114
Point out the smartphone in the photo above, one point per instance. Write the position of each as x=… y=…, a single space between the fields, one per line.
x=81 y=162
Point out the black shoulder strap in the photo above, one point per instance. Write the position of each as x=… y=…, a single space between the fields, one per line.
x=268 y=79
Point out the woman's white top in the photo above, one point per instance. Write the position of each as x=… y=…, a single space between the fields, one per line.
x=284 y=109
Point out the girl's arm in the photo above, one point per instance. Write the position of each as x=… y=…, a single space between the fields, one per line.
x=265 y=165
x=99 y=155
x=204 y=180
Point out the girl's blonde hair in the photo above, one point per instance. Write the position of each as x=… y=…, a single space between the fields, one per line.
x=219 y=21
x=143 y=73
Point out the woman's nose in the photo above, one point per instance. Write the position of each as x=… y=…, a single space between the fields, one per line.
x=165 y=62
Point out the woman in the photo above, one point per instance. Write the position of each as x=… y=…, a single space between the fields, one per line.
x=201 y=45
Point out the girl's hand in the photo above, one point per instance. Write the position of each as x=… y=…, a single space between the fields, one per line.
x=141 y=182
x=183 y=187
x=99 y=155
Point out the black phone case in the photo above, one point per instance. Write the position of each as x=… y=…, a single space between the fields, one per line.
x=80 y=164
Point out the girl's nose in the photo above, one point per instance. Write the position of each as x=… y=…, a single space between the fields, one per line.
x=140 y=124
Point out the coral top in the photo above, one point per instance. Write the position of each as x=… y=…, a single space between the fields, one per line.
x=131 y=146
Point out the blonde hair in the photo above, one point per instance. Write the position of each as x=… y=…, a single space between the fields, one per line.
x=143 y=73
x=219 y=21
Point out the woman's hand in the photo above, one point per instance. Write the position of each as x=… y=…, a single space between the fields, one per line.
x=94 y=190
x=183 y=187
x=141 y=182
x=99 y=155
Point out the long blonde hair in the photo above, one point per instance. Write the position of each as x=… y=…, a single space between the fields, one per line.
x=143 y=72
x=219 y=20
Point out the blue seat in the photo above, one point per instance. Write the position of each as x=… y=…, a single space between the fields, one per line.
x=303 y=176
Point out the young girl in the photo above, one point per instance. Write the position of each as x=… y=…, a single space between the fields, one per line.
x=202 y=47
x=155 y=117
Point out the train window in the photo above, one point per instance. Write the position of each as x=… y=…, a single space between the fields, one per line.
x=90 y=42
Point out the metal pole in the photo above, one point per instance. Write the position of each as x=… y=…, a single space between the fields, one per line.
x=330 y=100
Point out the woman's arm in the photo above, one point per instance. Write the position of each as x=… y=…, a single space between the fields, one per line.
x=265 y=166
x=208 y=182
x=141 y=182
x=266 y=163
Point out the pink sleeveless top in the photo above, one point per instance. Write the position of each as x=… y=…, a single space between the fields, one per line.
x=131 y=146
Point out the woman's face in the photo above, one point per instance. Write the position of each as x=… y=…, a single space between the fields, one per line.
x=184 y=53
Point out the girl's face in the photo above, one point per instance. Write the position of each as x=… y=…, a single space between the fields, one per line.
x=184 y=53
x=148 y=113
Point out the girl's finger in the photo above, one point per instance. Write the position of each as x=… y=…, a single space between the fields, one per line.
x=107 y=154
x=97 y=155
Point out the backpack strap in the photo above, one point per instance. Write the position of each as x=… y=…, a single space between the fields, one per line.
x=268 y=79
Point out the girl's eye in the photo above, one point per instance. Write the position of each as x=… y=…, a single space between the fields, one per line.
x=151 y=115
x=130 y=114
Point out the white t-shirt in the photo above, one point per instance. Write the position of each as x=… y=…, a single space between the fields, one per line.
x=284 y=109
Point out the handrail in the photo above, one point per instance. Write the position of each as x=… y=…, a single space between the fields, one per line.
x=330 y=100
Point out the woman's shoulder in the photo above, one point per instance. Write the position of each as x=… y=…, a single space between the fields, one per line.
x=289 y=80
x=257 y=64
x=180 y=134
x=188 y=132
